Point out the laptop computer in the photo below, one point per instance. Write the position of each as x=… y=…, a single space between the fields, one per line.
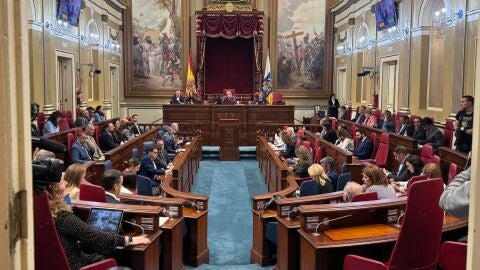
x=106 y=220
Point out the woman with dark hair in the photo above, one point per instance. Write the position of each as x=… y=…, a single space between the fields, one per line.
x=328 y=133
x=51 y=126
x=117 y=135
x=414 y=165
x=303 y=162
x=125 y=130
x=344 y=140
x=82 y=244
x=386 y=123
x=375 y=180
x=98 y=115
x=333 y=106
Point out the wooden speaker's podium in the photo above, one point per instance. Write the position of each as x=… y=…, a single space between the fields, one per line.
x=229 y=142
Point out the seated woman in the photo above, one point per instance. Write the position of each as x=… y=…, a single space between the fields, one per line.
x=131 y=165
x=51 y=126
x=125 y=130
x=328 y=133
x=99 y=115
x=344 y=140
x=374 y=180
x=82 y=244
x=415 y=167
x=229 y=98
x=74 y=175
x=432 y=171
x=192 y=98
x=289 y=151
x=278 y=140
x=318 y=174
x=370 y=119
x=386 y=123
x=303 y=161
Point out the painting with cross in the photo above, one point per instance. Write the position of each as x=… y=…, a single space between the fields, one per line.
x=300 y=44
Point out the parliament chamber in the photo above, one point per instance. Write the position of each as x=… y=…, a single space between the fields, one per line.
x=240 y=134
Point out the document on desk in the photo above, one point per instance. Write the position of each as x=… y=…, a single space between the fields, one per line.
x=162 y=220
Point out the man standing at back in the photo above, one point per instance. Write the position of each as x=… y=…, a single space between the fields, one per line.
x=135 y=128
x=464 y=125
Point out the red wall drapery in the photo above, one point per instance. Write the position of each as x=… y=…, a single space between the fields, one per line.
x=229 y=25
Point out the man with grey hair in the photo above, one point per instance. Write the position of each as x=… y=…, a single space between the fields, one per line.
x=82 y=119
x=90 y=144
x=351 y=188
x=328 y=164
x=291 y=133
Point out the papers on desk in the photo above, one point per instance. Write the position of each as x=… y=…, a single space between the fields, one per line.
x=187 y=143
x=162 y=220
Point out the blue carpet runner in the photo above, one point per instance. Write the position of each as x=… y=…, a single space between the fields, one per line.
x=229 y=185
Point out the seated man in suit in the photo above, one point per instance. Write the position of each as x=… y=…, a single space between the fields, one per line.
x=433 y=135
x=82 y=120
x=80 y=154
x=365 y=146
x=229 y=98
x=259 y=98
x=106 y=140
x=162 y=160
x=343 y=113
x=177 y=98
x=328 y=165
x=406 y=129
x=90 y=143
x=112 y=181
x=402 y=175
x=148 y=167
x=360 y=117
x=418 y=130
x=192 y=98
x=170 y=143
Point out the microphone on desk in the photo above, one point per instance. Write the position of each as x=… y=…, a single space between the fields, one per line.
x=265 y=206
x=326 y=222
x=136 y=225
x=194 y=205
x=294 y=211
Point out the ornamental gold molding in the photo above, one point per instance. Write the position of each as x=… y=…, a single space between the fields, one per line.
x=229 y=7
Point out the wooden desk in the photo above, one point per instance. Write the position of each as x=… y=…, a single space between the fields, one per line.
x=448 y=156
x=321 y=252
x=229 y=140
x=209 y=115
x=136 y=257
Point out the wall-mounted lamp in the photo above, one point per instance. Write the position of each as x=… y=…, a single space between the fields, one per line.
x=59 y=27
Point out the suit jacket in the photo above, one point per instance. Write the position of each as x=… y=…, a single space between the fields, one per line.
x=419 y=133
x=169 y=143
x=333 y=175
x=79 y=153
x=111 y=199
x=333 y=108
x=330 y=136
x=81 y=122
x=135 y=129
x=364 y=149
x=162 y=159
x=289 y=151
x=434 y=138
x=180 y=100
x=229 y=100
x=386 y=126
x=402 y=173
x=106 y=141
x=147 y=168
x=359 y=118
x=406 y=130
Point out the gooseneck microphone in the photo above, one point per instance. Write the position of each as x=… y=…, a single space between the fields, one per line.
x=194 y=205
x=326 y=222
x=136 y=225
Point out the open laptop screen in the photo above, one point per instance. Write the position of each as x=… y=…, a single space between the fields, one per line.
x=106 y=220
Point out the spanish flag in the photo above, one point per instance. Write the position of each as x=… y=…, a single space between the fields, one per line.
x=190 y=86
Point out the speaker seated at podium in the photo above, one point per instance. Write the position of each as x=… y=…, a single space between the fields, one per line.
x=192 y=98
x=177 y=98
x=228 y=96
x=259 y=98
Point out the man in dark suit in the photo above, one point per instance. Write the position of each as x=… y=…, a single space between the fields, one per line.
x=177 y=98
x=162 y=160
x=170 y=143
x=419 y=131
x=135 y=128
x=328 y=165
x=106 y=140
x=365 y=146
x=433 y=135
x=333 y=105
x=82 y=120
x=148 y=167
x=229 y=98
x=400 y=153
x=112 y=181
x=406 y=129
x=79 y=152
x=360 y=117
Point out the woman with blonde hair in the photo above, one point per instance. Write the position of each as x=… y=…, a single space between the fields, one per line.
x=303 y=162
x=432 y=171
x=370 y=119
x=289 y=151
x=74 y=174
x=318 y=174
x=72 y=231
x=375 y=180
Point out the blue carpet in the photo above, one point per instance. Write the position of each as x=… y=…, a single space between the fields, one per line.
x=229 y=185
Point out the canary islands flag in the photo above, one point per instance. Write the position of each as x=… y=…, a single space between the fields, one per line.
x=267 y=81
x=190 y=86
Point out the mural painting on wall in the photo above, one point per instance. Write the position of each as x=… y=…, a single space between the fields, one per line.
x=301 y=44
x=156 y=47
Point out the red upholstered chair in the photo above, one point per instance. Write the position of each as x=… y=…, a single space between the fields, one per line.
x=382 y=152
x=78 y=111
x=452 y=172
x=427 y=154
x=318 y=155
x=415 y=179
x=98 y=129
x=47 y=241
x=334 y=123
x=307 y=145
x=316 y=142
x=453 y=256
x=349 y=113
x=277 y=98
x=448 y=133
x=418 y=242
x=63 y=124
x=231 y=90
x=362 y=197
x=70 y=141
x=92 y=193
x=373 y=138
x=68 y=114
x=378 y=114
x=41 y=117
x=435 y=160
